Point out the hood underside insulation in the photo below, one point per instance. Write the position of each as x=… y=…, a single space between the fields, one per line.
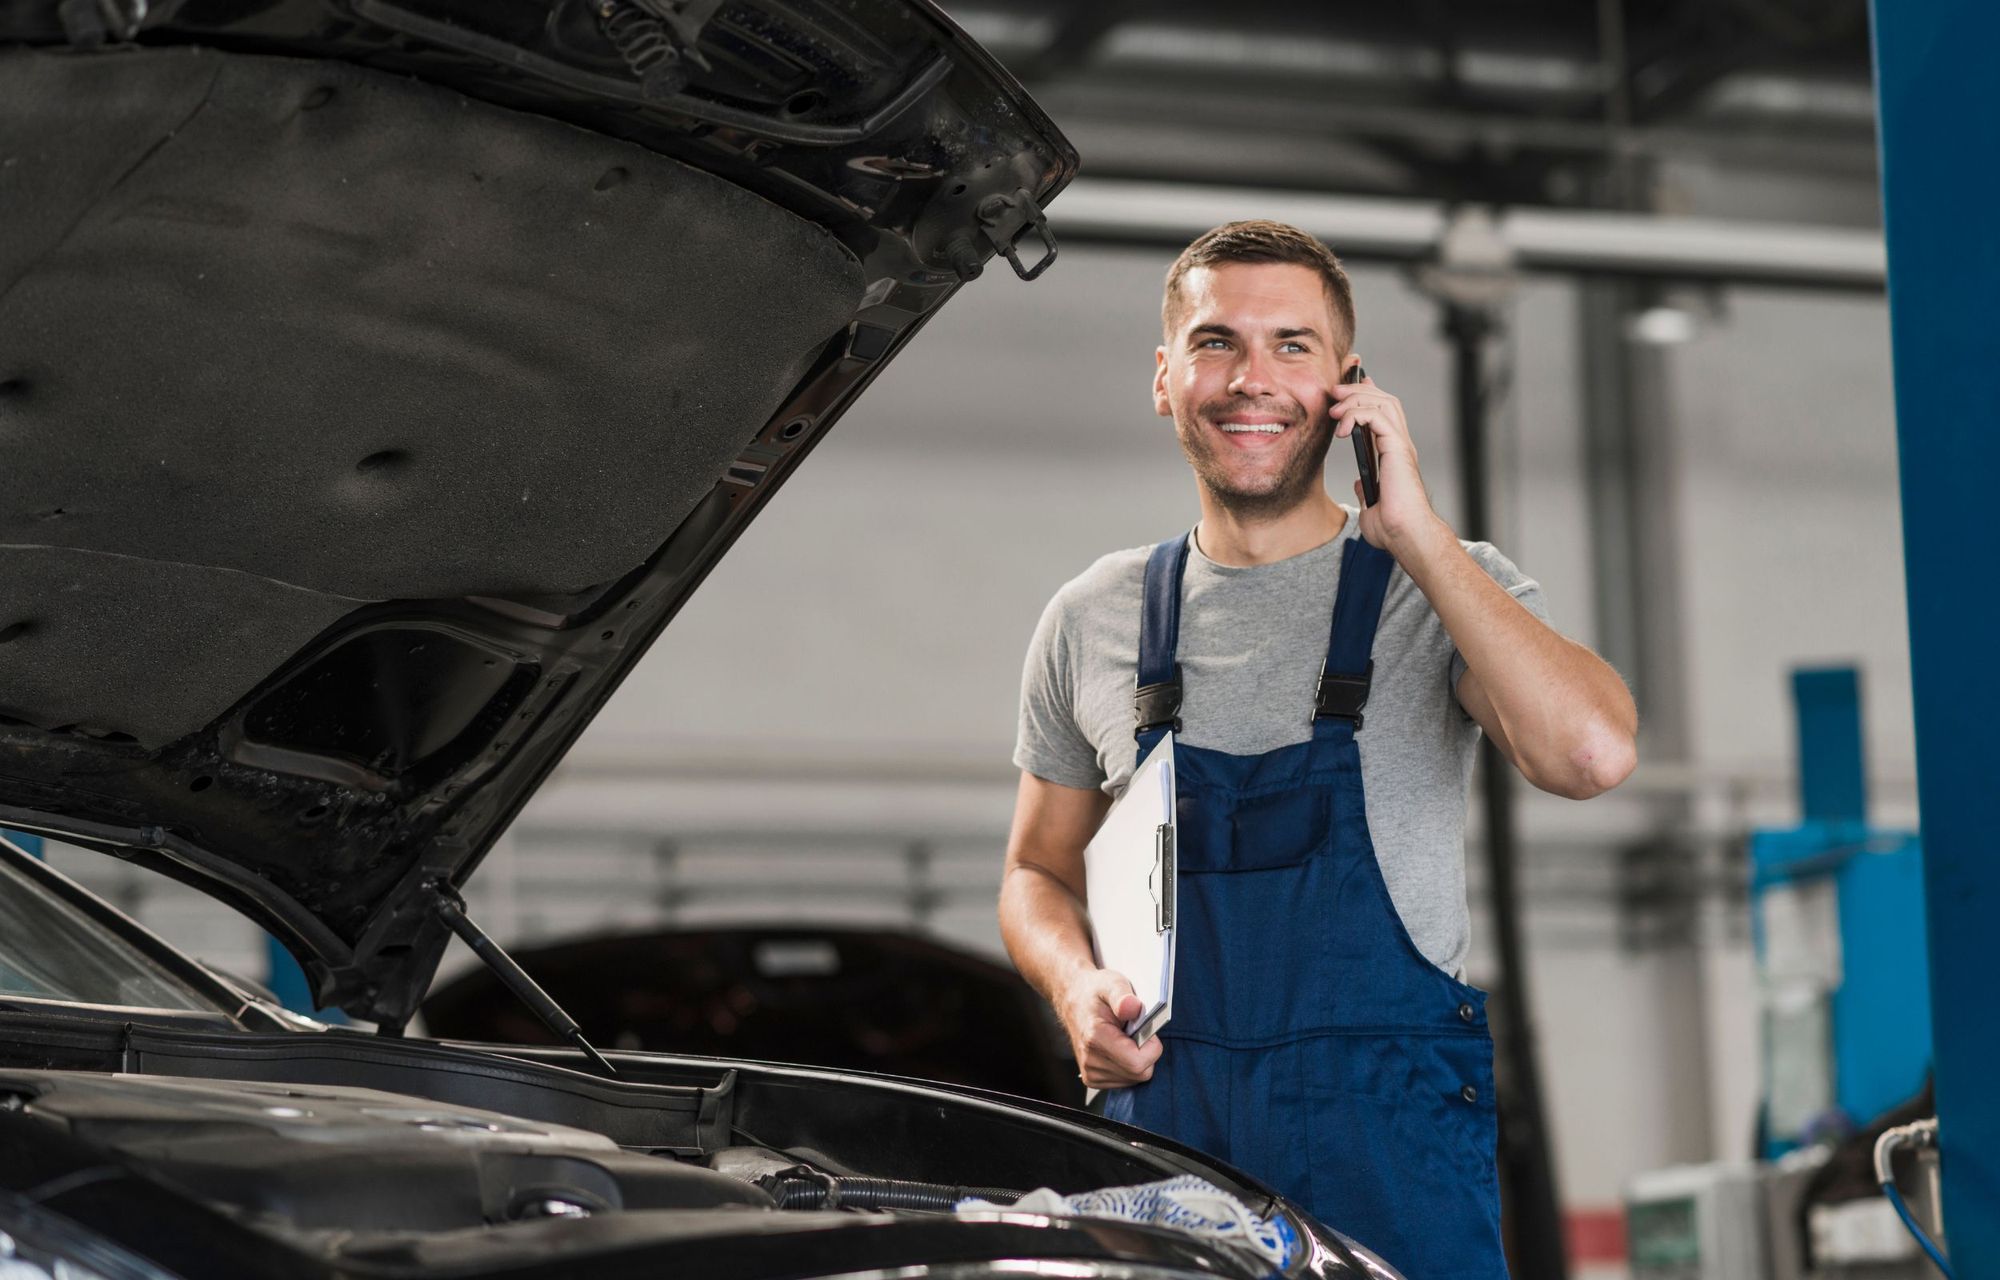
x=279 y=338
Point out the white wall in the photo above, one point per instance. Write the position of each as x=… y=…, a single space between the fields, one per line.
x=1785 y=446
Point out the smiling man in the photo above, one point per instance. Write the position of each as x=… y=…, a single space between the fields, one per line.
x=1323 y=1038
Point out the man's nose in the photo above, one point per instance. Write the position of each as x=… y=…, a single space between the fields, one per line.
x=1250 y=377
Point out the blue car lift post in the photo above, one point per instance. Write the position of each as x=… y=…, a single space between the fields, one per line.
x=1874 y=1010
x=1939 y=122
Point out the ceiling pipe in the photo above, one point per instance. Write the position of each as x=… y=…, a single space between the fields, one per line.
x=1578 y=242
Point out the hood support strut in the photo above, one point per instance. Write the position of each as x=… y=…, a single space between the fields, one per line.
x=450 y=908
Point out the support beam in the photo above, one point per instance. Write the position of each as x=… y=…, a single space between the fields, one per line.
x=1940 y=127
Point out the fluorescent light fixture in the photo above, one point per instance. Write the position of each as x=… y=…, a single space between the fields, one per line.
x=1662 y=326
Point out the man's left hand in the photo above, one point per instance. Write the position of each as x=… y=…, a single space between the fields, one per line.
x=1404 y=512
x=1554 y=708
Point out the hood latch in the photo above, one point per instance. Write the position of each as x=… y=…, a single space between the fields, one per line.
x=1005 y=219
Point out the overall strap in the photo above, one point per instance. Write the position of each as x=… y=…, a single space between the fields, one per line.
x=1350 y=665
x=1156 y=701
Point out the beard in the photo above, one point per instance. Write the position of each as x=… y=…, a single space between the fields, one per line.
x=1280 y=488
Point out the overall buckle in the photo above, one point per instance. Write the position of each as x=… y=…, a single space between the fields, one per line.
x=1158 y=706
x=1341 y=697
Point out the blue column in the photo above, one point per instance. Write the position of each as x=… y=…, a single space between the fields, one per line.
x=1939 y=119
x=1833 y=772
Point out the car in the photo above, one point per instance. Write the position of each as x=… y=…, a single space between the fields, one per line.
x=877 y=999
x=377 y=380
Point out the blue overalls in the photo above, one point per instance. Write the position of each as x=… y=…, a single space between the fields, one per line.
x=1312 y=1044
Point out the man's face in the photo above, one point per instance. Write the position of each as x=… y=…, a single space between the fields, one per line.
x=1244 y=375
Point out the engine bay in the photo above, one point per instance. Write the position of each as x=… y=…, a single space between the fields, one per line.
x=273 y=1143
x=337 y=1153
x=309 y=1159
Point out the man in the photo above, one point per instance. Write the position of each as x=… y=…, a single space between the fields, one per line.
x=1322 y=1037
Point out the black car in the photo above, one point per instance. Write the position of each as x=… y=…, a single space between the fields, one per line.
x=377 y=379
x=869 y=999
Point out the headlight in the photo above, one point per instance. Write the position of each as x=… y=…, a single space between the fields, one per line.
x=36 y=1244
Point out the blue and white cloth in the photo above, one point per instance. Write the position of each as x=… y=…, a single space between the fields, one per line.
x=1187 y=1203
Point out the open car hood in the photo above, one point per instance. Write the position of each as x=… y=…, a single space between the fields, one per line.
x=378 y=378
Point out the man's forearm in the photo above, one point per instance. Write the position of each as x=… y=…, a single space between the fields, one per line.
x=1045 y=928
x=1566 y=718
x=1047 y=932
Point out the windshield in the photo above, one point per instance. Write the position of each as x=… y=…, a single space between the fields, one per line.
x=49 y=950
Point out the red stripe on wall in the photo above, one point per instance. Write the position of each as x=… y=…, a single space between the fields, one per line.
x=1595 y=1235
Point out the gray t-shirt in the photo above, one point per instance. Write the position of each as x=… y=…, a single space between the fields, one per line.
x=1252 y=641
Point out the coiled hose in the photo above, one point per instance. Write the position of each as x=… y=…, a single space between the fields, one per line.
x=803 y=1188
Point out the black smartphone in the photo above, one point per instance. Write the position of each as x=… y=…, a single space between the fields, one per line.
x=1364 y=449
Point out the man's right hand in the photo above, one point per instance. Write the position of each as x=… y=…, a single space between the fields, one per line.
x=1047 y=931
x=1094 y=1011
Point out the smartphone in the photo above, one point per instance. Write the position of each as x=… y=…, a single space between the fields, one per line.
x=1364 y=449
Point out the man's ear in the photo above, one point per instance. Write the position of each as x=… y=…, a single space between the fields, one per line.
x=1161 y=405
x=1348 y=361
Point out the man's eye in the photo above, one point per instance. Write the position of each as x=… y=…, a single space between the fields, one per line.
x=1296 y=346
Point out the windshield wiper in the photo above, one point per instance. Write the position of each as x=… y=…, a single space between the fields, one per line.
x=450 y=908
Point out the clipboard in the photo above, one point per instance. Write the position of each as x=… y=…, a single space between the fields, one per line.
x=1130 y=882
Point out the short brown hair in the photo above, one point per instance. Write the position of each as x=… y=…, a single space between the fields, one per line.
x=1258 y=240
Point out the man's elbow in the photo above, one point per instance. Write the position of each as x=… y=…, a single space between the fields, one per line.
x=1014 y=890
x=1026 y=888
x=1604 y=757
x=1599 y=758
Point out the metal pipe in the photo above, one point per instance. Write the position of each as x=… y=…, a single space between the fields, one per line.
x=1535 y=1236
x=1564 y=241
x=648 y=765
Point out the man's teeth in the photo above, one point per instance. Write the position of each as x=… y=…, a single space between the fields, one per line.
x=1261 y=428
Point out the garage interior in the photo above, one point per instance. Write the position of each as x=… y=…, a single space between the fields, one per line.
x=1625 y=264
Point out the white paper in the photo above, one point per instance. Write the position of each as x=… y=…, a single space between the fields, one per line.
x=1123 y=890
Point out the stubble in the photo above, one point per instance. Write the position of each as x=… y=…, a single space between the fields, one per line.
x=1295 y=481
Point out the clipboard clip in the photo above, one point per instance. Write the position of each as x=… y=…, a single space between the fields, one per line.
x=1161 y=882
